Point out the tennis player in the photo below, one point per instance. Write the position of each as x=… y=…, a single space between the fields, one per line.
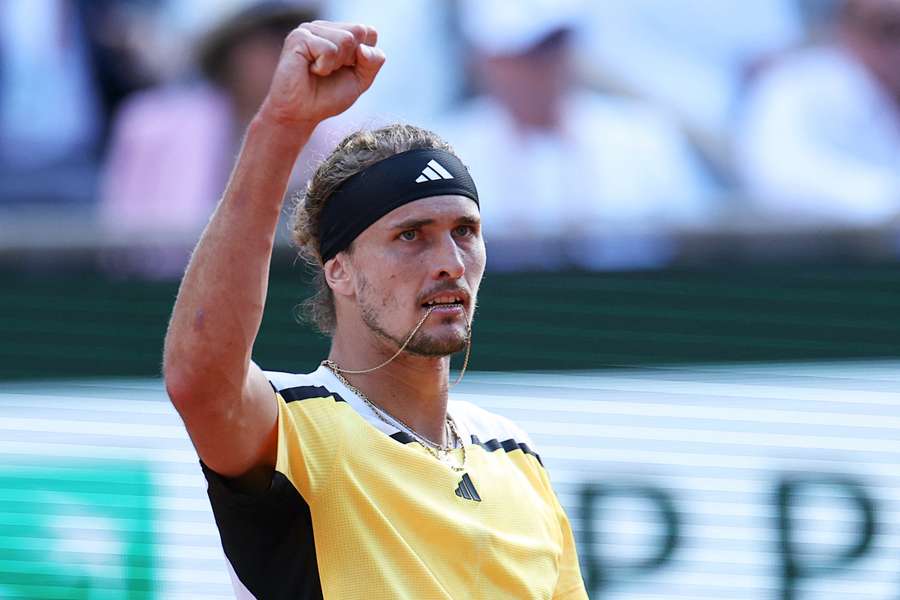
x=360 y=479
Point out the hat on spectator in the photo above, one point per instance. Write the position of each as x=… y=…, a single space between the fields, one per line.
x=277 y=16
x=511 y=27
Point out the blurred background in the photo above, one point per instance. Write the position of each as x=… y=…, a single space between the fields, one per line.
x=691 y=210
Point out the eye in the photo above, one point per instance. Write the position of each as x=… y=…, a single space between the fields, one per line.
x=409 y=235
x=463 y=230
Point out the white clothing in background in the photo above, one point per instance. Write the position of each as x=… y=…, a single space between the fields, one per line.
x=616 y=165
x=820 y=142
x=689 y=55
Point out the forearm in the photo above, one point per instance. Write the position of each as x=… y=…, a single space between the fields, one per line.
x=226 y=403
x=222 y=295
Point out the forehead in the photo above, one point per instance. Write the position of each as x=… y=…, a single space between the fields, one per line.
x=435 y=208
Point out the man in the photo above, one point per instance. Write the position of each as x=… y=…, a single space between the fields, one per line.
x=691 y=56
x=820 y=137
x=359 y=479
x=600 y=181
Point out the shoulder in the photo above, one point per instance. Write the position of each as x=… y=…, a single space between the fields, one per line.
x=811 y=76
x=491 y=430
x=619 y=116
x=302 y=386
x=815 y=64
x=620 y=129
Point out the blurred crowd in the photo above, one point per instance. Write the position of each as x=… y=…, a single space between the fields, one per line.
x=586 y=120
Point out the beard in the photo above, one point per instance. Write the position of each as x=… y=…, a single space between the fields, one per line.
x=422 y=343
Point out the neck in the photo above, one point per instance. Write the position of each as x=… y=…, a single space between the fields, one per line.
x=411 y=388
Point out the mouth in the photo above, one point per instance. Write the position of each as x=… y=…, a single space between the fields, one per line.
x=446 y=303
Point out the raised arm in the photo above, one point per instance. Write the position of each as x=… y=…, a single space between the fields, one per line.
x=224 y=399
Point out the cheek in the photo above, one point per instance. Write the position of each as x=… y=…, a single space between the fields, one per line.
x=383 y=285
x=377 y=296
x=475 y=265
x=477 y=259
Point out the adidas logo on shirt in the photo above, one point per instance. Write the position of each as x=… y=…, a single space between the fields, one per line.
x=466 y=489
x=433 y=171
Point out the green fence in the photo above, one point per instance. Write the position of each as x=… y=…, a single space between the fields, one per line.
x=89 y=324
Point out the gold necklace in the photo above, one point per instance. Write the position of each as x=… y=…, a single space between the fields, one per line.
x=440 y=452
x=334 y=367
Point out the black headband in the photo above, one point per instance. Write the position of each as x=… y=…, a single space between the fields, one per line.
x=377 y=190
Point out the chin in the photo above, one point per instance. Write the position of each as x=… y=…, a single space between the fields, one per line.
x=437 y=346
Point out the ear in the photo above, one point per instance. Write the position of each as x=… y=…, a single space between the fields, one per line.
x=339 y=275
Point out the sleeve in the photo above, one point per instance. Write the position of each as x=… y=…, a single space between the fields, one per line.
x=799 y=159
x=267 y=538
x=570 y=584
x=309 y=441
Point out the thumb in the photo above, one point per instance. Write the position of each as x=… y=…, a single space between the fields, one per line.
x=369 y=60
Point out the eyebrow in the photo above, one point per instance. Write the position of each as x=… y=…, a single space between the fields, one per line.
x=419 y=223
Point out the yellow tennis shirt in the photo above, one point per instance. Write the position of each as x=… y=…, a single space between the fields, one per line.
x=358 y=509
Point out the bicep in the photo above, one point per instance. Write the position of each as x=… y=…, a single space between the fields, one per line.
x=237 y=436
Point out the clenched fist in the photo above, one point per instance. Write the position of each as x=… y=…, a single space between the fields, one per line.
x=324 y=67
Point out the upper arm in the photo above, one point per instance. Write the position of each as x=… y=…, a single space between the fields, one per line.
x=235 y=435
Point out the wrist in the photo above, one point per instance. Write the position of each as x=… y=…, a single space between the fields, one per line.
x=280 y=125
x=275 y=139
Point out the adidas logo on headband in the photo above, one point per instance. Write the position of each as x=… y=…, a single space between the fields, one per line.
x=432 y=171
x=378 y=189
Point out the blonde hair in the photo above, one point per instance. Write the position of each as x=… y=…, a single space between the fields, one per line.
x=355 y=153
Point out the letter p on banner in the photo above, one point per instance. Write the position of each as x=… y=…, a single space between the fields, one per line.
x=797 y=492
x=604 y=569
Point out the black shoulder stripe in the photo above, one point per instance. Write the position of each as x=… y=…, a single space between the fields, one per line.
x=491 y=445
x=507 y=445
x=304 y=392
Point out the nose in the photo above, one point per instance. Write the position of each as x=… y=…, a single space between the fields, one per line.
x=448 y=260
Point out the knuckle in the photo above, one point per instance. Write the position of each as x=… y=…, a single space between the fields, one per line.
x=359 y=32
x=297 y=35
x=346 y=40
x=329 y=48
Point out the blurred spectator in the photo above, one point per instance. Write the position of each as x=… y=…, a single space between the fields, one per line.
x=121 y=37
x=50 y=115
x=554 y=160
x=691 y=56
x=173 y=147
x=820 y=139
x=64 y=67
